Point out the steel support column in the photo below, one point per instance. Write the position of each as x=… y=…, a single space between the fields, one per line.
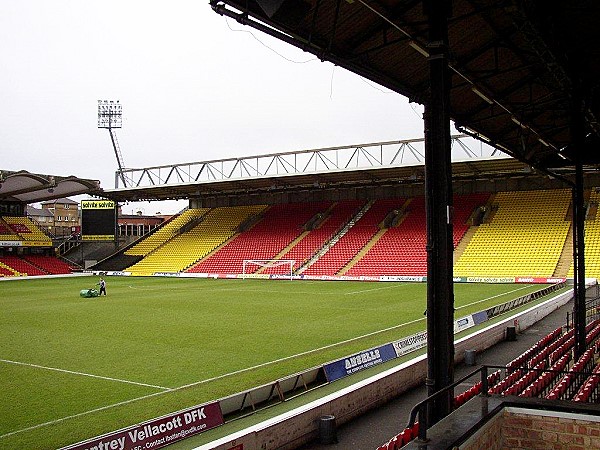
x=577 y=140
x=438 y=187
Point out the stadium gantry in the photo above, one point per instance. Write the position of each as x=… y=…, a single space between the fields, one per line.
x=520 y=76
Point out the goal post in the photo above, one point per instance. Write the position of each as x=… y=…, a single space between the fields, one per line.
x=266 y=264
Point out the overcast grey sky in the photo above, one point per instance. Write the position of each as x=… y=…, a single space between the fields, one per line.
x=194 y=86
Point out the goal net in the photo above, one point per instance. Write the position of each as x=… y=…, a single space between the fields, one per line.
x=254 y=265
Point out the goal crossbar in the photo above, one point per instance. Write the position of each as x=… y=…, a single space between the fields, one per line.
x=268 y=263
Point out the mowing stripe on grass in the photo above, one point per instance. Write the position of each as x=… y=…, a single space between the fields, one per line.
x=168 y=390
x=8 y=361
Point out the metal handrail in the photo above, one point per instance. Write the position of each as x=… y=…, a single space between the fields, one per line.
x=419 y=410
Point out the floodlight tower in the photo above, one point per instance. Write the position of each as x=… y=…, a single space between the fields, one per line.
x=110 y=115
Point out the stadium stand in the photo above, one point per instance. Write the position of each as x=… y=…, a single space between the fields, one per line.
x=525 y=236
x=530 y=225
x=22 y=266
x=592 y=238
x=527 y=376
x=27 y=230
x=556 y=348
x=334 y=219
x=7 y=271
x=48 y=264
x=510 y=234
x=589 y=390
x=278 y=227
x=402 y=249
x=359 y=235
x=170 y=229
x=205 y=234
x=6 y=233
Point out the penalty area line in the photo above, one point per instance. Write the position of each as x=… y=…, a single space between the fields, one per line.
x=81 y=414
x=72 y=372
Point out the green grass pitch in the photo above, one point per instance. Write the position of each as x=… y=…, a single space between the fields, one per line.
x=73 y=368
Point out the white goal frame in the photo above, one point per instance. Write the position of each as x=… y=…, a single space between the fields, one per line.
x=269 y=263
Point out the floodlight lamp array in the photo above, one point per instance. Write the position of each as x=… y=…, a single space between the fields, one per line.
x=110 y=114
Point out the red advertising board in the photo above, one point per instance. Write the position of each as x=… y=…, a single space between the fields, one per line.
x=159 y=432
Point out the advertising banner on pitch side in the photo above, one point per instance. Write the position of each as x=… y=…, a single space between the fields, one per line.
x=159 y=432
x=363 y=360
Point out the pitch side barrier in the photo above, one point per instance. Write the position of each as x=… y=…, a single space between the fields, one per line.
x=41 y=277
x=165 y=430
x=382 y=278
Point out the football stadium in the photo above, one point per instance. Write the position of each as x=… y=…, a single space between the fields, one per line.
x=298 y=292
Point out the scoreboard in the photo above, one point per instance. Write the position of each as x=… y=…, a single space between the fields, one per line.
x=97 y=220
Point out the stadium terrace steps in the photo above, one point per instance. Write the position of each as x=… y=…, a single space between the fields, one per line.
x=337 y=216
x=566 y=256
x=592 y=210
x=591 y=241
x=25 y=229
x=21 y=266
x=280 y=226
x=355 y=239
x=363 y=251
x=162 y=234
x=185 y=249
x=525 y=237
x=462 y=245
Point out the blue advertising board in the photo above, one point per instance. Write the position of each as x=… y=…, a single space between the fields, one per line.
x=359 y=361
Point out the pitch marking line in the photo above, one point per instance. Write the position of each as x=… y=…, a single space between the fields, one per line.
x=498 y=295
x=168 y=390
x=374 y=289
x=235 y=289
x=55 y=369
x=74 y=416
x=308 y=352
x=258 y=366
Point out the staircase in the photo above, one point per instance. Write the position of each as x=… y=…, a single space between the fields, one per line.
x=8 y=271
x=462 y=245
x=363 y=251
x=566 y=257
x=335 y=238
x=282 y=253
